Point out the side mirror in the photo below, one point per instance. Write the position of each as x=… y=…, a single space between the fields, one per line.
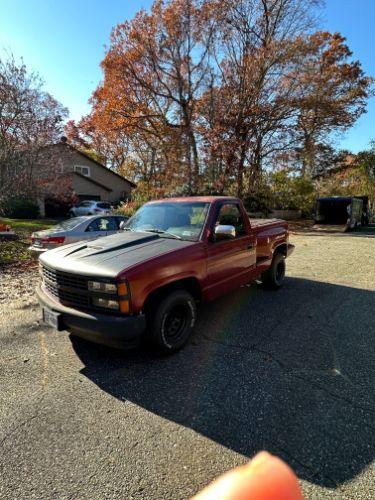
x=225 y=232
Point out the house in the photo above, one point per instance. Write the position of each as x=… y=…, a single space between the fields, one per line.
x=67 y=175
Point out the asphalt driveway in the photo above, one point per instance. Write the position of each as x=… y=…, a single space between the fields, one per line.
x=291 y=372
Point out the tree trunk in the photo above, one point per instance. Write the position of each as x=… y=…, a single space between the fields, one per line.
x=240 y=171
x=255 y=168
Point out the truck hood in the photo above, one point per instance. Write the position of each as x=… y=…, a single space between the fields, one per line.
x=109 y=255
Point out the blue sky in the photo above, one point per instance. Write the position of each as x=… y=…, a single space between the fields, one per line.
x=65 y=42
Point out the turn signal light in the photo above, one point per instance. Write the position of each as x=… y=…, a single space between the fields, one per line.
x=122 y=289
x=124 y=306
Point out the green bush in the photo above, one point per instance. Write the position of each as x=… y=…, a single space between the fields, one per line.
x=292 y=192
x=260 y=200
x=20 y=208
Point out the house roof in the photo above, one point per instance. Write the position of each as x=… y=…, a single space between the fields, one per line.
x=94 y=161
x=92 y=181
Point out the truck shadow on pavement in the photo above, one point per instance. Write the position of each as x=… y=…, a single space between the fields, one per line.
x=291 y=372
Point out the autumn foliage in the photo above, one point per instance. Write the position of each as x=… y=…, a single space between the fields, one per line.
x=30 y=119
x=206 y=95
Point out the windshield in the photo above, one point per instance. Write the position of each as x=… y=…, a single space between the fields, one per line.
x=68 y=224
x=182 y=220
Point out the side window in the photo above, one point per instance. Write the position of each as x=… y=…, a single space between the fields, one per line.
x=118 y=221
x=100 y=224
x=104 y=205
x=230 y=215
x=112 y=224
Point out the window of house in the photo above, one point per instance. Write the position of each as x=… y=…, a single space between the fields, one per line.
x=82 y=169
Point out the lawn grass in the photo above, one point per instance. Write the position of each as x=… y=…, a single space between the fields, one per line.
x=13 y=252
x=28 y=226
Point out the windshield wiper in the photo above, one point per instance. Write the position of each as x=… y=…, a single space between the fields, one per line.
x=161 y=231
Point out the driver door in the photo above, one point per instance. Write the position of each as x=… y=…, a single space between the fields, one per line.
x=230 y=262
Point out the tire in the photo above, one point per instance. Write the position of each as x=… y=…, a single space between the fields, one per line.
x=171 y=322
x=273 y=278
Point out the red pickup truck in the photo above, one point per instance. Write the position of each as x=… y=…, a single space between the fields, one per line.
x=147 y=279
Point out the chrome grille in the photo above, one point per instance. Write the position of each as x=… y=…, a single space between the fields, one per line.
x=66 y=287
x=59 y=278
x=71 y=289
x=67 y=297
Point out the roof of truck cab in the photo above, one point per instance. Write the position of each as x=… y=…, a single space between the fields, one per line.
x=202 y=199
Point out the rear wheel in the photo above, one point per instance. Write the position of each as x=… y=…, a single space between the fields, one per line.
x=273 y=278
x=171 y=321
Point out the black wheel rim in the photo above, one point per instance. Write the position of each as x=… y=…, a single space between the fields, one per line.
x=280 y=271
x=175 y=324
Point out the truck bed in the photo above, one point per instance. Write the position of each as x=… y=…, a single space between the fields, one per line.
x=264 y=222
x=269 y=233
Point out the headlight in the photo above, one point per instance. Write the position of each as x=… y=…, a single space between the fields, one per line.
x=98 y=286
x=119 y=303
x=107 y=303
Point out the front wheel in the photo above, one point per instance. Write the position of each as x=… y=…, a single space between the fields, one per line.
x=171 y=321
x=273 y=278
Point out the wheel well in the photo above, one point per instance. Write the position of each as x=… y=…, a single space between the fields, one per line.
x=283 y=249
x=189 y=284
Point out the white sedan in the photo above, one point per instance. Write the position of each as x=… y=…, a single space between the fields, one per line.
x=91 y=207
x=75 y=229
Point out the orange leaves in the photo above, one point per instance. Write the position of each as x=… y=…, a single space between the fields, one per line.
x=201 y=94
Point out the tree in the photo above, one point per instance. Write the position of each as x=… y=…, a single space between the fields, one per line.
x=332 y=94
x=207 y=95
x=252 y=113
x=154 y=72
x=30 y=118
x=366 y=161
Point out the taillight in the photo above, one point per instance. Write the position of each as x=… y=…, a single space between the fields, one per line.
x=58 y=240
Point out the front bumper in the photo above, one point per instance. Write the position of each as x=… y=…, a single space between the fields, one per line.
x=114 y=331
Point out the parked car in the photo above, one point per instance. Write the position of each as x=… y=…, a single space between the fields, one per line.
x=90 y=207
x=75 y=229
x=149 y=278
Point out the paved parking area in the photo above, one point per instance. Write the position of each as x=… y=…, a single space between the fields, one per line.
x=291 y=372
